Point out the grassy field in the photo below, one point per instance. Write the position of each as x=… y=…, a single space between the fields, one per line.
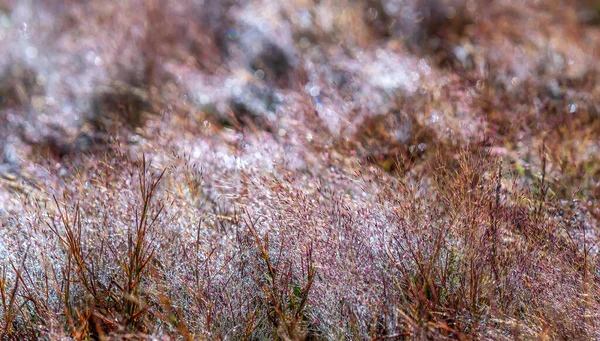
x=299 y=170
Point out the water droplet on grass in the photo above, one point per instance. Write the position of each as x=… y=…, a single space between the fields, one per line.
x=259 y=74
x=304 y=43
x=31 y=52
x=572 y=108
x=315 y=91
x=233 y=34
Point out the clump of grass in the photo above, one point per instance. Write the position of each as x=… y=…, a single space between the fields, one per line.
x=117 y=303
x=15 y=303
x=18 y=84
x=395 y=141
x=284 y=295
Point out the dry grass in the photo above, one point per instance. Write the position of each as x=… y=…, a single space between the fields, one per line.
x=314 y=170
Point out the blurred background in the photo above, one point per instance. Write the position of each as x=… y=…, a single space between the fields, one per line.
x=283 y=81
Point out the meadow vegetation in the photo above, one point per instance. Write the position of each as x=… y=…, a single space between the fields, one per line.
x=299 y=170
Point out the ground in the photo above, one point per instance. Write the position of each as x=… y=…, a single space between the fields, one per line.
x=299 y=170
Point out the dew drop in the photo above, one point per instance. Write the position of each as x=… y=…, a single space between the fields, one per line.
x=259 y=74
x=572 y=108
x=315 y=91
